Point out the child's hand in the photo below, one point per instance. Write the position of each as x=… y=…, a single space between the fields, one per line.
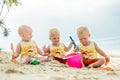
x=107 y=60
x=72 y=52
x=13 y=56
x=44 y=48
x=90 y=66
x=83 y=66
x=45 y=54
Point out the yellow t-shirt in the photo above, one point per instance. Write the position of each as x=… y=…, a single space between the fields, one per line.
x=57 y=51
x=89 y=51
x=28 y=48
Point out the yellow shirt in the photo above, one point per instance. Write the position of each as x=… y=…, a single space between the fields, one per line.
x=89 y=51
x=57 y=51
x=28 y=48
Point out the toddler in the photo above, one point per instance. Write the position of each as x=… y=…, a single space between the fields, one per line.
x=27 y=49
x=89 y=49
x=57 y=50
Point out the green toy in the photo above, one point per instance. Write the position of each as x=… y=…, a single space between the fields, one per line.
x=34 y=61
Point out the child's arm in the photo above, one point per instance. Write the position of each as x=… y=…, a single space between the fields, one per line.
x=46 y=49
x=82 y=61
x=102 y=53
x=40 y=52
x=17 y=51
x=76 y=49
x=69 y=47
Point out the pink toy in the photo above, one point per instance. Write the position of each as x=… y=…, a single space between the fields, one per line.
x=74 y=60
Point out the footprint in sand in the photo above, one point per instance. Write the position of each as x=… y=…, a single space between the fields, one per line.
x=9 y=71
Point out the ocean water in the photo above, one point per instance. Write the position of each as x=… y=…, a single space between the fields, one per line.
x=109 y=45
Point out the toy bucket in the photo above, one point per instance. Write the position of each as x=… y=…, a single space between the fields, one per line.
x=74 y=60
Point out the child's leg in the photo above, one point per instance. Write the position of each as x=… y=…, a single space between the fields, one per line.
x=60 y=60
x=98 y=63
x=42 y=59
x=25 y=59
x=50 y=58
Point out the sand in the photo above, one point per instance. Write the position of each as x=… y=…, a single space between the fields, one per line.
x=54 y=70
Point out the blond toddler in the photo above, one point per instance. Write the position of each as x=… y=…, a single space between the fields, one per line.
x=27 y=49
x=56 y=50
x=89 y=49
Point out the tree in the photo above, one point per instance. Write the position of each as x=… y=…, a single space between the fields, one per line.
x=6 y=4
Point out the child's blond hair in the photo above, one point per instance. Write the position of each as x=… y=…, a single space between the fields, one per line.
x=22 y=29
x=54 y=31
x=82 y=30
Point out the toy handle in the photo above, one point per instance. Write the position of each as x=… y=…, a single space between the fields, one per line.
x=70 y=55
x=12 y=48
x=73 y=42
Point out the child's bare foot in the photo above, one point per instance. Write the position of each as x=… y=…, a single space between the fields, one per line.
x=90 y=66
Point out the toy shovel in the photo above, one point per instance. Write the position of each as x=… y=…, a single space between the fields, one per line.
x=12 y=48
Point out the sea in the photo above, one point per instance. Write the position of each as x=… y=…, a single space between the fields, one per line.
x=109 y=45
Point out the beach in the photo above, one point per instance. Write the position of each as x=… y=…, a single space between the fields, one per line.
x=54 y=70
